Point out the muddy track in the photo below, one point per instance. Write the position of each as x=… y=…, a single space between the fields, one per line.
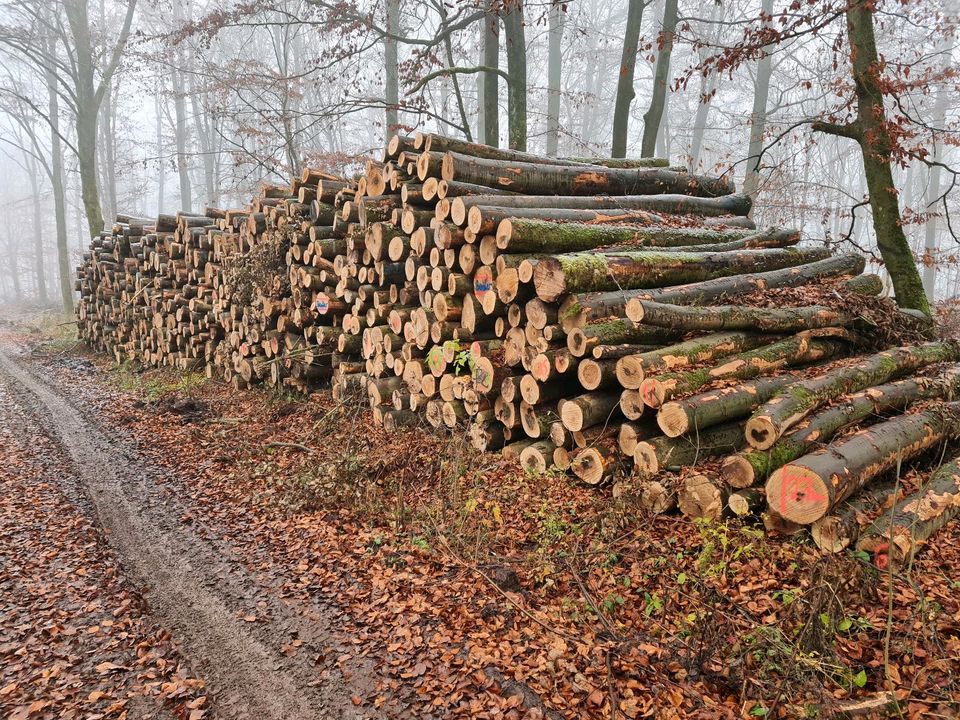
x=195 y=590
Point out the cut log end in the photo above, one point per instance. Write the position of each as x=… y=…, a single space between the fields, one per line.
x=762 y=432
x=673 y=420
x=701 y=497
x=645 y=458
x=831 y=534
x=588 y=465
x=798 y=494
x=736 y=471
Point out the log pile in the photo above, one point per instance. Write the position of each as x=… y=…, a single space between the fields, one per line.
x=607 y=320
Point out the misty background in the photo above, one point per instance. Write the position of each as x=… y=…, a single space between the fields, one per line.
x=198 y=102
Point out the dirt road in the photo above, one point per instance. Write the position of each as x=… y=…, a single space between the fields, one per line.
x=229 y=628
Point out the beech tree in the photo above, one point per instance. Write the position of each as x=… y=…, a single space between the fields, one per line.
x=870 y=109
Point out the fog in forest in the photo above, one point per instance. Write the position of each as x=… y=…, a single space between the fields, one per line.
x=141 y=107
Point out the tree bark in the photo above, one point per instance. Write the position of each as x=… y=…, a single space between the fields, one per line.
x=625 y=90
x=758 y=117
x=562 y=274
x=658 y=454
x=554 y=69
x=539 y=179
x=754 y=466
x=897 y=534
x=491 y=80
x=799 y=349
x=633 y=369
x=789 y=407
x=516 y=41
x=661 y=78
x=697 y=412
x=804 y=490
x=872 y=131
x=735 y=317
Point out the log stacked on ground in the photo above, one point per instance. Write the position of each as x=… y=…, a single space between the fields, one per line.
x=598 y=317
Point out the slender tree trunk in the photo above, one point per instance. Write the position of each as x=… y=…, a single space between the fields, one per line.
x=108 y=154
x=933 y=192
x=661 y=78
x=554 y=61
x=517 y=70
x=491 y=80
x=86 y=122
x=38 y=263
x=162 y=163
x=391 y=83
x=57 y=181
x=202 y=129
x=758 y=116
x=708 y=84
x=180 y=136
x=625 y=91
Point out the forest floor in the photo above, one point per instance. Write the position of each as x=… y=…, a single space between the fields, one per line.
x=171 y=547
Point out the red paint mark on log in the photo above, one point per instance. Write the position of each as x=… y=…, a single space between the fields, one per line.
x=797 y=487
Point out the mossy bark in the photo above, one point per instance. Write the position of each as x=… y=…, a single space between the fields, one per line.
x=583 y=272
x=771 y=420
x=736 y=317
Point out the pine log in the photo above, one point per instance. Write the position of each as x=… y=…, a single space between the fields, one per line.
x=535 y=179
x=661 y=453
x=710 y=408
x=896 y=535
x=804 y=490
x=750 y=467
x=562 y=274
x=794 y=403
x=577 y=309
x=796 y=350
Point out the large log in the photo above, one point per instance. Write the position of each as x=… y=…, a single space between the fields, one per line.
x=791 y=405
x=541 y=236
x=896 y=535
x=710 y=408
x=633 y=369
x=578 y=308
x=558 y=275
x=840 y=529
x=806 y=489
x=750 y=467
x=737 y=317
x=795 y=350
x=657 y=454
x=537 y=179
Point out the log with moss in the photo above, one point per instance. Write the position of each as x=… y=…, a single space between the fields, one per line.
x=633 y=369
x=704 y=410
x=661 y=453
x=805 y=489
x=736 y=317
x=578 y=308
x=582 y=272
x=796 y=350
x=897 y=534
x=754 y=466
x=538 y=179
x=540 y=236
x=791 y=405
x=581 y=341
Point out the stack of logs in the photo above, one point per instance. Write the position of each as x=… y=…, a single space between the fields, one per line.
x=564 y=312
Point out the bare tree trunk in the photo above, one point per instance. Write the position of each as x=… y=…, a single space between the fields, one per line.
x=661 y=77
x=517 y=70
x=758 y=117
x=57 y=181
x=162 y=170
x=708 y=85
x=391 y=83
x=491 y=80
x=872 y=132
x=38 y=264
x=180 y=137
x=202 y=129
x=625 y=91
x=554 y=61
x=108 y=154
x=933 y=193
